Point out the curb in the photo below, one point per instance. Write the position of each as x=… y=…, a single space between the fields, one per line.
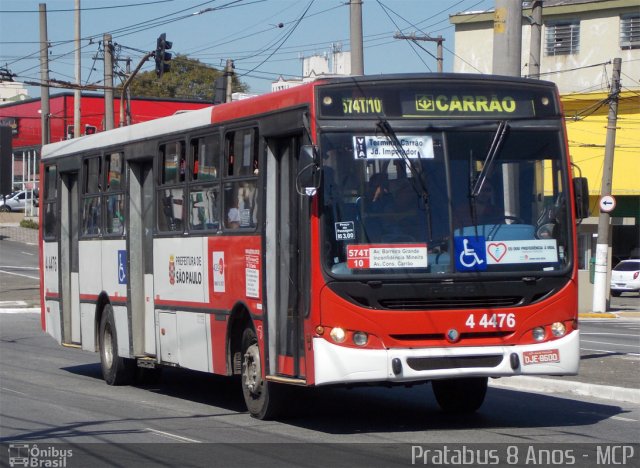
x=540 y=384
x=597 y=315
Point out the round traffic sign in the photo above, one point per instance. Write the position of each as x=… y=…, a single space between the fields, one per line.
x=607 y=203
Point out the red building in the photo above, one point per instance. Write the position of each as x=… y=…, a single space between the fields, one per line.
x=24 y=116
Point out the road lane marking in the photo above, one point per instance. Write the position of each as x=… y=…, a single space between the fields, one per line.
x=173 y=436
x=614 y=334
x=5 y=389
x=620 y=418
x=12 y=267
x=610 y=343
x=607 y=351
x=19 y=274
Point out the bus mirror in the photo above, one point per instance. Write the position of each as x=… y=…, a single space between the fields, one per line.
x=308 y=173
x=581 y=192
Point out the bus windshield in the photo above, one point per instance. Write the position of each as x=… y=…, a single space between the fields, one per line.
x=455 y=201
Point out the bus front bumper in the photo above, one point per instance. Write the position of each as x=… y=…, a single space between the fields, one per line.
x=339 y=364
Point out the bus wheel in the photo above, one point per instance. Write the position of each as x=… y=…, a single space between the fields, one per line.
x=263 y=398
x=115 y=369
x=463 y=395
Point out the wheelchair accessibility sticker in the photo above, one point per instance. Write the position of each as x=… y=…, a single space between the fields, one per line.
x=122 y=267
x=471 y=253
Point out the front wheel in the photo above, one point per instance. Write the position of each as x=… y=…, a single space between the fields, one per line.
x=616 y=293
x=464 y=395
x=115 y=369
x=263 y=398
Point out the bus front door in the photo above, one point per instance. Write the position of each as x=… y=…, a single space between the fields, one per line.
x=286 y=263
x=69 y=262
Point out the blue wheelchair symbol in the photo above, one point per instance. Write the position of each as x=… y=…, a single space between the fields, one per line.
x=471 y=253
x=122 y=266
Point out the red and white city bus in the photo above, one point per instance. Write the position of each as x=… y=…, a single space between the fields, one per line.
x=389 y=229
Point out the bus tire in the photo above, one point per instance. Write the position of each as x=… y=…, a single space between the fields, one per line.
x=464 y=395
x=115 y=369
x=263 y=398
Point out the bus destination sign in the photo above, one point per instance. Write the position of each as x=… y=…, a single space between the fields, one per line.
x=435 y=100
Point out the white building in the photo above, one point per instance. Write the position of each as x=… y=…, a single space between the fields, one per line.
x=12 y=91
x=317 y=66
x=578 y=38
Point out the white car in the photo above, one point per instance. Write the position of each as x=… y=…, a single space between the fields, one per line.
x=625 y=277
x=17 y=201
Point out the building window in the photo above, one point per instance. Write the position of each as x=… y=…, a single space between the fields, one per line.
x=562 y=38
x=630 y=31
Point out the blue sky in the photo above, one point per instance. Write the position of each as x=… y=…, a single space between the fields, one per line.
x=244 y=30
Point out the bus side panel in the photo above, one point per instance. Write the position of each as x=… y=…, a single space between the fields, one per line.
x=150 y=347
x=122 y=329
x=180 y=286
x=51 y=291
x=90 y=263
x=114 y=273
x=88 y=326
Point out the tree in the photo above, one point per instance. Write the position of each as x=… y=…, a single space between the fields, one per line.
x=187 y=79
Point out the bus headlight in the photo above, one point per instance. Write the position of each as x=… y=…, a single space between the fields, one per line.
x=338 y=335
x=558 y=329
x=538 y=333
x=360 y=338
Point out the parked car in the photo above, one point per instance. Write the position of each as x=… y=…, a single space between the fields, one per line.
x=625 y=277
x=17 y=201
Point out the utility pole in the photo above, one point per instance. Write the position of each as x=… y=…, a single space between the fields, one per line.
x=228 y=74
x=536 y=39
x=438 y=39
x=77 y=94
x=357 y=53
x=602 y=247
x=507 y=55
x=125 y=86
x=108 y=81
x=507 y=37
x=44 y=75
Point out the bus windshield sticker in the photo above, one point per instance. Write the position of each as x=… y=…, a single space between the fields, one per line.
x=381 y=147
x=470 y=253
x=252 y=271
x=387 y=256
x=345 y=231
x=217 y=261
x=522 y=251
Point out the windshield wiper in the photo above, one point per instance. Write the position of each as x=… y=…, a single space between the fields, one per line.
x=494 y=149
x=422 y=191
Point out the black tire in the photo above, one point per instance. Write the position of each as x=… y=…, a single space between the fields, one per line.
x=5 y=209
x=461 y=396
x=264 y=399
x=115 y=369
x=616 y=293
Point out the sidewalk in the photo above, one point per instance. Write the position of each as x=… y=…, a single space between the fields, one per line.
x=10 y=229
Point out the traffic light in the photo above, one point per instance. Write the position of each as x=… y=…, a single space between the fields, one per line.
x=162 y=56
x=90 y=129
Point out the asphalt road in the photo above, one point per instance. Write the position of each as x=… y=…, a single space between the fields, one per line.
x=54 y=394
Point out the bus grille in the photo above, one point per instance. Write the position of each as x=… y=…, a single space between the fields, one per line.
x=454 y=362
x=450 y=302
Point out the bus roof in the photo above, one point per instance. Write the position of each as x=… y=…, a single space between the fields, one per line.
x=137 y=132
x=265 y=103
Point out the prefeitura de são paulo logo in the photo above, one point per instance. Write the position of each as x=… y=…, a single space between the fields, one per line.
x=172 y=269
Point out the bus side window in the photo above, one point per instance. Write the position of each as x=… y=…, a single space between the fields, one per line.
x=91 y=199
x=170 y=195
x=204 y=210
x=50 y=203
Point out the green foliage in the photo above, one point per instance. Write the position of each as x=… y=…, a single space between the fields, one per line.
x=187 y=79
x=28 y=223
